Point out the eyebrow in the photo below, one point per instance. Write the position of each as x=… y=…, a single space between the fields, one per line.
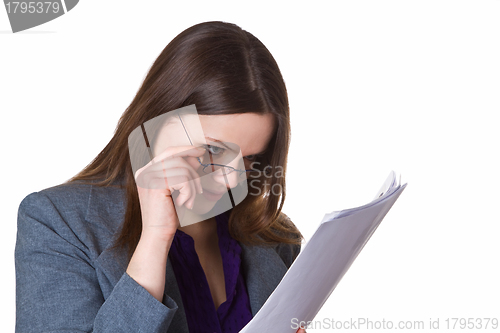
x=223 y=144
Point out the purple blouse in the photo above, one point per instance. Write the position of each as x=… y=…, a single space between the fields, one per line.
x=201 y=315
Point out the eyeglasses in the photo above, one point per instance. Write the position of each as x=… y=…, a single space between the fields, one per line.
x=213 y=156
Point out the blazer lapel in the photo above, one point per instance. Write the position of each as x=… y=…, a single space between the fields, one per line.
x=263 y=270
x=179 y=322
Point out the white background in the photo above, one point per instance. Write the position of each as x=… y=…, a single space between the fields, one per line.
x=374 y=86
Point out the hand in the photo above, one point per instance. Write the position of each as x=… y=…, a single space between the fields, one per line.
x=301 y=330
x=172 y=170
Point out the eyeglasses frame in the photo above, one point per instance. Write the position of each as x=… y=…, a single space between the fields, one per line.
x=205 y=166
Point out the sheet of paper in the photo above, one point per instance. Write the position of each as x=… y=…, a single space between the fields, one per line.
x=322 y=263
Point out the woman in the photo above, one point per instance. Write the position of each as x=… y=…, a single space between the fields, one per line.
x=91 y=254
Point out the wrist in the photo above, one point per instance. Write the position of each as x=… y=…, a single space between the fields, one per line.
x=157 y=235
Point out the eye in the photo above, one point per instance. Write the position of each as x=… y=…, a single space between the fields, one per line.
x=251 y=157
x=214 y=150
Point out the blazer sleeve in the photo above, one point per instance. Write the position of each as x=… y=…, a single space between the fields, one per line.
x=57 y=289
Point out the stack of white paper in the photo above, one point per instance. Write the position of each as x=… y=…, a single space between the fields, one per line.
x=323 y=262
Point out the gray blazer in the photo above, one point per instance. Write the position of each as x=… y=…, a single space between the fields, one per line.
x=69 y=280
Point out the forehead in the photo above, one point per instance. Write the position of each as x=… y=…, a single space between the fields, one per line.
x=250 y=131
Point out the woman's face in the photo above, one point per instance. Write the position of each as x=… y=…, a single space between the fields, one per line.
x=251 y=132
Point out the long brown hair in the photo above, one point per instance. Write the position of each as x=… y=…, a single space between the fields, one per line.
x=222 y=69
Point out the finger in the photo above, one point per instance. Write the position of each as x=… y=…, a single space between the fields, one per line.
x=145 y=174
x=179 y=151
x=172 y=175
x=186 y=188
x=195 y=164
x=180 y=178
x=192 y=198
x=186 y=191
x=165 y=174
x=152 y=181
x=175 y=162
x=171 y=179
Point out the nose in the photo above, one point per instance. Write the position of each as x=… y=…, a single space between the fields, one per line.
x=233 y=177
x=228 y=180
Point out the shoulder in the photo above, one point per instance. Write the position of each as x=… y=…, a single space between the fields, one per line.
x=78 y=212
x=287 y=252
